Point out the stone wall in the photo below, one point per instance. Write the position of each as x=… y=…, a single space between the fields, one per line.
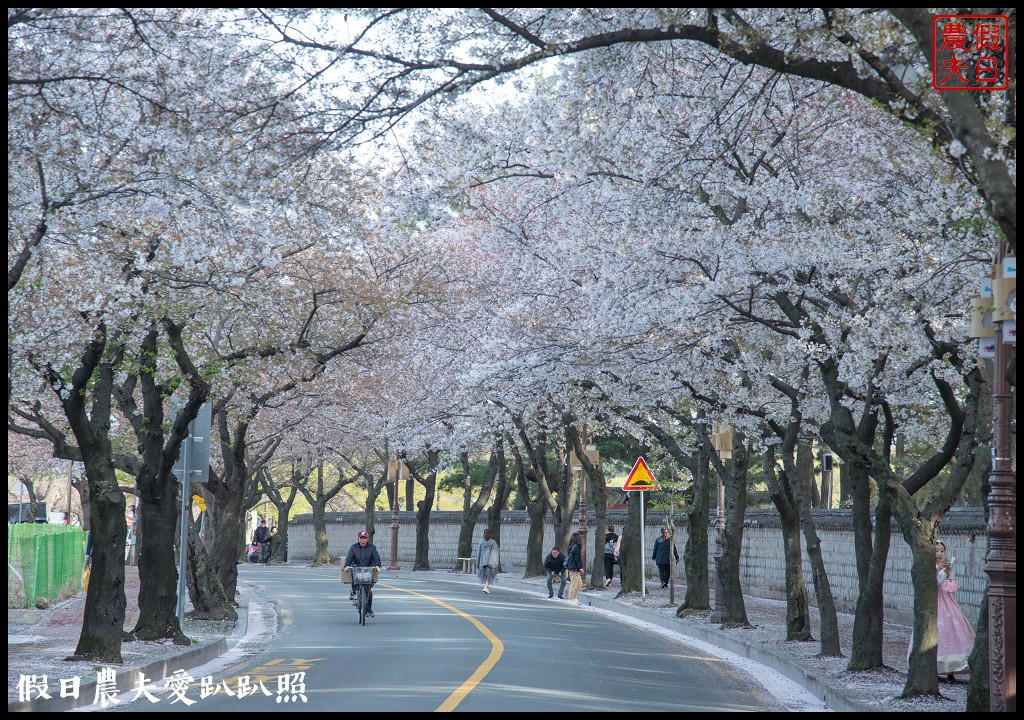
x=762 y=571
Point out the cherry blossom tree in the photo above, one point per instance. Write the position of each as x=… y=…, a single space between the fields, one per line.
x=401 y=60
x=539 y=178
x=128 y=158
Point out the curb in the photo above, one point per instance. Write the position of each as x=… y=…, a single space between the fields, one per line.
x=127 y=678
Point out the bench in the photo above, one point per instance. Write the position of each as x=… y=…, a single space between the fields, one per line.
x=465 y=565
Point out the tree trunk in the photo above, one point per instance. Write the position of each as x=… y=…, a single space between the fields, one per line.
x=158 y=571
x=868 y=621
x=82 y=483
x=159 y=491
x=105 y=602
x=922 y=674
x=234 y=491
x=502 y=492
x=317 y=499
x=423 y=509
x=812 y=485
x=845 y=488
x=322 y=555
x=871 y=553
x=471 y=509
x=732 y=538
x=204 y=589
x=536 y=510
x=283 y=505
x=827 y=618
x=631 y=565
x=279 y=541
x=978 y=699
x=373 y=490
x=229 y=523
x=495 y=524
x=695 y=552
x=798 y=617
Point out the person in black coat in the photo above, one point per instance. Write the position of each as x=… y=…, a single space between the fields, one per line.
x=663 y=546
x=261 y=538
x=575 y=567
x=554 y=563
x=611 y=542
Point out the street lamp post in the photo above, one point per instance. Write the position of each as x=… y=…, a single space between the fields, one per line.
x=395 y=470
x=721 y=441
x=1001 y=560
x=576 y=465
x=583 y=504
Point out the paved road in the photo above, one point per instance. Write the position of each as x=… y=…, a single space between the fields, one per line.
x=437 y=645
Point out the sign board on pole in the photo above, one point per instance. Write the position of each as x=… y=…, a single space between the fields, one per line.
x=640 y=477
x=199 y=446
x=397 y=470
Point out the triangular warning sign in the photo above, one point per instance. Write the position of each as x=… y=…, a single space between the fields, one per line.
x=640 y=478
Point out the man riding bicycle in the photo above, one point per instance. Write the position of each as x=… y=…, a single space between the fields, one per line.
x=363 y=554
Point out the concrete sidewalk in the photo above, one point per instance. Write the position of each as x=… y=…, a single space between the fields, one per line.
x=39 y=640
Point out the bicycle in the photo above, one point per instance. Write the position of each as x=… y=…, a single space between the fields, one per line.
x=362 y=579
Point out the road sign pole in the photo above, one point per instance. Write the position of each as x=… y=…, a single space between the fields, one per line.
x=183 y=542
x=643 y=551
x=641 y=478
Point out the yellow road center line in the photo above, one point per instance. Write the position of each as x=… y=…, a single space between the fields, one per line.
x=497 y=648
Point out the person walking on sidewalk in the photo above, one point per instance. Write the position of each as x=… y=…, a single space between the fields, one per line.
x=487 y=560
x=663 y=549
x=554 y=563
x=574 y=567
x=611 y=554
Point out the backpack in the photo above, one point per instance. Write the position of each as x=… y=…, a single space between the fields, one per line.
x=609 y=547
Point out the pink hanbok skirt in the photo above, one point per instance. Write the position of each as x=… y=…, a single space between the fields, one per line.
x=956 y=635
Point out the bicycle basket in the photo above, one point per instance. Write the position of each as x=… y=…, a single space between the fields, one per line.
x=362 y=575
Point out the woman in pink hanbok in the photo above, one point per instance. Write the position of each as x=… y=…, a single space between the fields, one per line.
x=956 y=635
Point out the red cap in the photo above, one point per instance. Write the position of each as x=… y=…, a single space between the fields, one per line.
x=363 y=534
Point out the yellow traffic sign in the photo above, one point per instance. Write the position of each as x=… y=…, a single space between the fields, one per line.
x=198 y=500
x=640 y=477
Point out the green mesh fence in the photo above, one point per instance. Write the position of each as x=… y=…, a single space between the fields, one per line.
x=43 y=561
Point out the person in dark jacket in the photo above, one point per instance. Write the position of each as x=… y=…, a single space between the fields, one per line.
x=663 y=546
x=575 y=568
x=261 y=539
x=363 y=554
x=554 y=563
x=611 y=542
